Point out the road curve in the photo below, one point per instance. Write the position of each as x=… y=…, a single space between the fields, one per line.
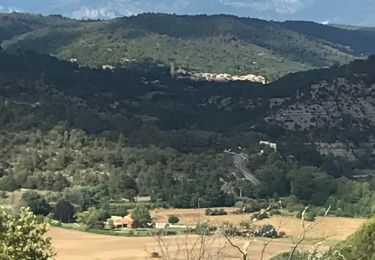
x=240 y=160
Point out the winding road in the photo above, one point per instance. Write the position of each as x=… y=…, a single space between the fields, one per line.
x=240 y=160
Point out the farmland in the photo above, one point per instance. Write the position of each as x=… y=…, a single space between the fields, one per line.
x=81 y=245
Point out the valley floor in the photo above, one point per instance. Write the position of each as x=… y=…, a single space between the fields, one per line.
x=78 y=245
x=86 y=246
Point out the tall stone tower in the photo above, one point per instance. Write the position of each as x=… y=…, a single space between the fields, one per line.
x=173 y=70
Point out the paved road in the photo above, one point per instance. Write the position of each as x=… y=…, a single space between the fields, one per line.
x=240 y=160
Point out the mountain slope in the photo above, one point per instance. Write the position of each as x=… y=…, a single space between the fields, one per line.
x=231 y=44
x=40 y=91
x=62 y=124
x=359 y=41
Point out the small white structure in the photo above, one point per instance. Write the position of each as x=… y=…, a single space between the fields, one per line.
x=161 y=225
x=269 y=144
x=177 y=226
x=108 y=67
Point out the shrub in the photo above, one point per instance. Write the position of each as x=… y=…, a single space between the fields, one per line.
x=173 y=219
x=36 y=203
x=297 y=256
x=90 y=219
x=266 y=231
x=204 y=229
x=253 y=206
x=309 y=215
x=246 y=225
x=229 y=229
x=111 y=224
x=260 y=215
x=360 y=245
x=155 y=255
x=215 y=212
x=292 y=204
x=239 y=204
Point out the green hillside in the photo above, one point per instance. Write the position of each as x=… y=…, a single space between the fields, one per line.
x=217 y=43
x=136 y=131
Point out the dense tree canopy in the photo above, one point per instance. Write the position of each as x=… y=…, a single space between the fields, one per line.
x=141 y=216
x=311 y=185
x=37 y=203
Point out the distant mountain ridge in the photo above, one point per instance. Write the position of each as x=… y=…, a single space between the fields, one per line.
x=201 y=43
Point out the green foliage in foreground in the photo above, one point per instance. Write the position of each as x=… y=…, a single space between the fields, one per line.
x=22 y=237
x=360 y=245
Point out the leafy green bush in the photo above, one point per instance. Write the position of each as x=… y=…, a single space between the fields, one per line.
x=360 y=245
x=173 y=219
x=266 y=231
x=22 y=237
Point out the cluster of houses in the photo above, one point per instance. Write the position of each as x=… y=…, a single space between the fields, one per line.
x=120 y=222
x=127 y=222
x=218 y=77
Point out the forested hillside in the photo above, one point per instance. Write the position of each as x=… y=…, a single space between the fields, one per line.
x=137 y=131
x=356 y=41
x=231 y=44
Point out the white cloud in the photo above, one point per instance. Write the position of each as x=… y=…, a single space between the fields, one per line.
x=13 y=9
x=92 y=13
x=115 y=8
x=279 y=6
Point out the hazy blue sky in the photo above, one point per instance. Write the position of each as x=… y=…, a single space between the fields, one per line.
x=359 y=12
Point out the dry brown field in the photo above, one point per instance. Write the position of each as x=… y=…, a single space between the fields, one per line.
x=334 y=228
x=76 y=245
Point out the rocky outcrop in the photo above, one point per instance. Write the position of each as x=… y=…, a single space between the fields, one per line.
x=329 y=104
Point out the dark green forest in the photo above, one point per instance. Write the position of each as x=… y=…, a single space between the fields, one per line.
x=138 y=132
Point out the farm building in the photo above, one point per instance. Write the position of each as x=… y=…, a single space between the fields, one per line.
x=120 y=222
